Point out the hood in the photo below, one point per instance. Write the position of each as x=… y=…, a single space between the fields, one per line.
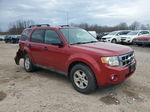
x=108 y=36
x=129 y=36
x=105 y=49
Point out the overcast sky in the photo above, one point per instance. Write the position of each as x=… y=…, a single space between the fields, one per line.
x=54 y=12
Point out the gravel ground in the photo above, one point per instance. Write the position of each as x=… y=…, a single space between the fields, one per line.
x=45 y=91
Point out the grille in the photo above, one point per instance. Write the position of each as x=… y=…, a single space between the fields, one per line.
x=126 y=59
x=103 y=39
x=123 y=37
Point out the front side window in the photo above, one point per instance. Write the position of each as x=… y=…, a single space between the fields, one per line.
x=51 y=37
x=77 y=36
x=38 y=36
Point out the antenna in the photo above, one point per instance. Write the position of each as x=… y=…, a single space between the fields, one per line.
x=67 y=17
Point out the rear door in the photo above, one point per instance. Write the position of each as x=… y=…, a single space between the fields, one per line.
x=37 y=46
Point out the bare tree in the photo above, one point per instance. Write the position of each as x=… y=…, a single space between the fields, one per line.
x=135 y=26
x=18 y=26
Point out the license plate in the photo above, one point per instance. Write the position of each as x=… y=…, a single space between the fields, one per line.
x=132 y=67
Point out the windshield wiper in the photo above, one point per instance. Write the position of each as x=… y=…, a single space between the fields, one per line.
x=79 y=43
x=84 y=42
x=93 y=41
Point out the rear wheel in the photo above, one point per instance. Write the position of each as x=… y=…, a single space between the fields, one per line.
x=28 y=65
x=139 y=44
x=83 y=79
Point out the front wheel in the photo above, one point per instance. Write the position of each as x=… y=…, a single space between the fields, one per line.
x=83 y=79
x=114 y=41
x=28 y=65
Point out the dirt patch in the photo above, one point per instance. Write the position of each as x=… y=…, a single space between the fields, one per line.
x=2 y=95
x=4 y=81
x=109 y=100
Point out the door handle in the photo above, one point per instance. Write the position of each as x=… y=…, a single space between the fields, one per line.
x=45 y=48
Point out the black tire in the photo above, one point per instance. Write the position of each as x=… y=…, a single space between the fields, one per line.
x=139 y=44
x=30 y=67
x=91 y=85
x=114 y=41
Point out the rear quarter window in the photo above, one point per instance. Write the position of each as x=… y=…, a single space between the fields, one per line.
x=25 y=34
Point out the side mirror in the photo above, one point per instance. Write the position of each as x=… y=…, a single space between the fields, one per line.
x=60 y=43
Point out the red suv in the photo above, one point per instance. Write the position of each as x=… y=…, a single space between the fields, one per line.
x=74 y=52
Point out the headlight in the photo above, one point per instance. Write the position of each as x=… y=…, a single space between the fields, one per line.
x=112 y=61
x=108 y=37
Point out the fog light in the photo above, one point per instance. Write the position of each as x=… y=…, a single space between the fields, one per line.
x=114 y=77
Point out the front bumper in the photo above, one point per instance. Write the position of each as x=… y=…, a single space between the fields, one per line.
x=126 y=41
x=144 y=42
x=105 y=40
x=113 y=75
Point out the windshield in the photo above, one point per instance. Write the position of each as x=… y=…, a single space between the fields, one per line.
x=124 y=33
x=133 y=33
x=113 y=33
x=77 y=36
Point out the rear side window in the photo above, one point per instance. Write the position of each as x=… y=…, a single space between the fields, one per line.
x=25 y=34
x=145 y=32
x=38 y=36
x=51 y=37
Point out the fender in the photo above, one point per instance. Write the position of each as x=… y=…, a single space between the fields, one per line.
x=28 y=51
x=88 y=60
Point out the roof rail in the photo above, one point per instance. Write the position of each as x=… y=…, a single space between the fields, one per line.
x=39 y=25
x=64 y=25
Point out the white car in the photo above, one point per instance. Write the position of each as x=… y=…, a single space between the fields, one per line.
x=2 y=37
x=133 y=34
x=114 y=37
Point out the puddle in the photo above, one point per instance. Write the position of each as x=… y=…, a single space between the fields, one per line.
x=4 y=81
x=2 y=95
x=133 y=95
x=109 y=100
x=17 y=71
x=27 y=77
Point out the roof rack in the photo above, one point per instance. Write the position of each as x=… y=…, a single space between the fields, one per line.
x=39 y=25
x=64 y=25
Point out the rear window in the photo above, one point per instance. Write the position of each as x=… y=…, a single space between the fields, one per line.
x=25 y=34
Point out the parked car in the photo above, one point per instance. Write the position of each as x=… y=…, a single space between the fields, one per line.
x=11 y=39
x=74 y=52
x=15 y=39
x=143 y=40
x=100 y=35
x=2 y=37
x=133 y=34
x=114 y=37
x=7 y=38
